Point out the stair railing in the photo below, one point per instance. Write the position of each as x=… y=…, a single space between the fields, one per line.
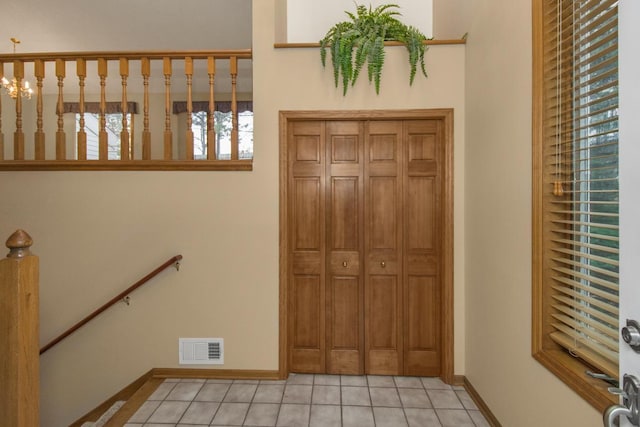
x=122 y=296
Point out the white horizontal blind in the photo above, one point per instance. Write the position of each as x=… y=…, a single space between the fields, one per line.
x=581 y=166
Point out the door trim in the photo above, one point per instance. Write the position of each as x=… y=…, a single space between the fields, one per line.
x=446 y=115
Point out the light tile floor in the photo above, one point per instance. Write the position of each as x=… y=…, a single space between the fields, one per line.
x=310 y=401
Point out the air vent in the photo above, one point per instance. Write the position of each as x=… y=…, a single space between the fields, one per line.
x=201 y=351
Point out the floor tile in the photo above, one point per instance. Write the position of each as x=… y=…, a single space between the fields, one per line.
x=169 y=412
x=326 y=379
x=414 y=398
x=355 y=396
x=326 y=416
x=384 y=396
x=212 y=392
x=162 y=391
x=478 y=419
x=306 y=379
x=144 y=412
x=380 y=381
x=172 y=380
x=353 y=380
x=408 y=382
x=435 y=383
x=219 y=381
x=292 y=415
x=422 y=417
x=389 y=417
x=184 y=391
x=357 y=416
x=193 y=380
x=454 y=418
x=267 y=393
x=466 y=400
x=241 y=393
x=200 y=413
x=262 y=414
x=246 y=381
x=326 y=395
x=230 y=414
x=445 y=399
x=297 y=394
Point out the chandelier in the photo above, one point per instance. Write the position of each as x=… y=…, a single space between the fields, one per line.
x=11 y=87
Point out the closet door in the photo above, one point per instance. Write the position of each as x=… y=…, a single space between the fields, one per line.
x=344 y=228
x=306 y=222
x=383 y=248
x=422 y=246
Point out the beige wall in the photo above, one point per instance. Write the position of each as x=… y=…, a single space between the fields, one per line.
x=97 y=232
x=520 y=391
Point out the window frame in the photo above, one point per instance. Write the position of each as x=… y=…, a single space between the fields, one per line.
x=557 y=360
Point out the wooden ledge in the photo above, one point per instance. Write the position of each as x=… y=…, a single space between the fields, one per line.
x=390 y=43
x=126 y=165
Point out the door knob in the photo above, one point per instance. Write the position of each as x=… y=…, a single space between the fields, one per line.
x=382 y=264
x=630 y=403
x=631 y=334
x=344 y=264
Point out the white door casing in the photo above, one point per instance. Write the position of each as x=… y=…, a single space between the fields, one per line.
x=629 y=163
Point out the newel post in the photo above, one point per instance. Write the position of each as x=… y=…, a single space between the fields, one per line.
x=19 y=334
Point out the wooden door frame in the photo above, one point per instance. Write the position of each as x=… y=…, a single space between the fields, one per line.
x=446 y=115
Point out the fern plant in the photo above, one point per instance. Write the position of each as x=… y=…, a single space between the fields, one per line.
x=360 y=41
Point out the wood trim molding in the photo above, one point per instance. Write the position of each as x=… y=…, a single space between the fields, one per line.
x=388 y=43
x=138 y=391
x=480 y=403
x=446 y=115
x=124 y=394
x=126 y=165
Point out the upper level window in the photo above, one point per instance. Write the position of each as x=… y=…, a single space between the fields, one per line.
x=576 y=192
x=223 y=126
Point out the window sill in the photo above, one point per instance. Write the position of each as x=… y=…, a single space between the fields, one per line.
x=572 y=372
x=126 y=165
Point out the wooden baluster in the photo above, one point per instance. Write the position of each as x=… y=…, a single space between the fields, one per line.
x=38 y=71
x=103 y=137
x=18 y=135
x=61 y=149
x=234 y=108
x=1 y=133
x=168 y=135
x=211 y=133
x=188 y=71
x=19 y=340
x=146 y=133
x=81 y=68
x=124 y=135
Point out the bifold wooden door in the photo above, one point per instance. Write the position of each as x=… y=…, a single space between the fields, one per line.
x=364 y=259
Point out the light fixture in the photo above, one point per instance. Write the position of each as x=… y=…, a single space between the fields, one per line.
x=11 y=87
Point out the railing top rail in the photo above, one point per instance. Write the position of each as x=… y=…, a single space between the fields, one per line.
x=132 y=55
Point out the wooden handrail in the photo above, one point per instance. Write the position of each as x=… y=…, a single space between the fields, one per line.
x=174 y=260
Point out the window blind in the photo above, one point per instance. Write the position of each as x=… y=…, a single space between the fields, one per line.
x=580 y=162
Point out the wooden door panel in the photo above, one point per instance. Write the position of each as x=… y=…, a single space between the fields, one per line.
x=383 y=246
x=344 y=317
x=422 y=246
x=423 y=326
x=344 y=213
x=308 y=330
x=383 y=308
x=307 y=203
x=307 y=229
x=420 y=213
x=344 y=248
